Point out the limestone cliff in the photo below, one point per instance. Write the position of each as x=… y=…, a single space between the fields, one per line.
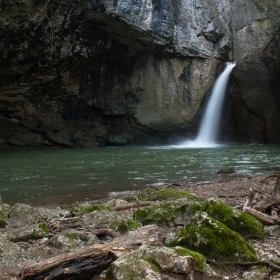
x=90 y=72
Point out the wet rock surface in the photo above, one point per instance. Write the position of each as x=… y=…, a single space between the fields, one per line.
x=142 y=69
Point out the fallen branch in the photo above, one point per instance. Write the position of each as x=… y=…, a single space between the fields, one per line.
x=263 y=263
x=134 y=205
x=86 y=262
x=266 y=203
x=263 y=218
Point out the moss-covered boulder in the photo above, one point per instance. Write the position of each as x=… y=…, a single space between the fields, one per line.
x=160 y=194
x=3 y=214
x=236 y=220
x=28 y=232
x=86 y=208
x=151 y=263
x=170 y=214
x=22 y=214
x=71 y=238
x=213 y=239
x=108 y=220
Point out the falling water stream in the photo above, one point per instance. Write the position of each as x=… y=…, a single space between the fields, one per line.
x=208 y=130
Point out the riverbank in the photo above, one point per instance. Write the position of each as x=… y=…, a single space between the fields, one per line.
x=233 y=192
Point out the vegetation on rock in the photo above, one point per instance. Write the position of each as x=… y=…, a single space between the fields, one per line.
x=169 y=213
x=213 y=239
x=236 y=220
x=3 y=215
x=86 y=208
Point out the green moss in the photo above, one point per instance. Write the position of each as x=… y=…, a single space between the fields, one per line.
x=154 y=266
x=3 y=215
x=71 y=236
x=200 y=259
x=44 y=228
x=234 y=219
x=213 y=239
x=160 y=194
x=124 y=226
x=88 y=208
x=169 y=214
x=261 y=5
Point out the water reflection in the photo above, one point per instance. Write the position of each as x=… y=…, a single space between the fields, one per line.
x=65 y=176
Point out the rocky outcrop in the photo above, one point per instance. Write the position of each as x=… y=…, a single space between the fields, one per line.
x=93 y=73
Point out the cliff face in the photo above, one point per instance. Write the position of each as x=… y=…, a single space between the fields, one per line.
x=83 y=73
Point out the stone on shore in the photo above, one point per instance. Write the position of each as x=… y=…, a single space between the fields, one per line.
x=108 y=220
x=28 y=232
x=72 y=238
x=12 y=254
x=22 y=214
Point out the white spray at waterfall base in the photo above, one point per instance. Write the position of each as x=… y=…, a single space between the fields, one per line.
x=208 y=130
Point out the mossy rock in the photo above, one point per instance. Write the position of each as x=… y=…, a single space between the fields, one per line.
x=72 y=238
x=162 y=194
x=151 y=262
x=28 y=232
x=236 y=220
x=169 y=213
x=86 y=208
x=214 y=239
x=110 y=220
x=3 y=215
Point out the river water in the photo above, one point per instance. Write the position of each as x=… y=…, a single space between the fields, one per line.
x=65 y=176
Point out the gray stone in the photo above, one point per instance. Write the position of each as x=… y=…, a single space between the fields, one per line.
x=108 y=220
x=22 y=214
x=11 y=254
x=116 y=202
x=151 y=263
x=26 y=233
x=71 y=238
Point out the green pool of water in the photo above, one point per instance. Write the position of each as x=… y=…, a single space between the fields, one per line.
x=64 y=176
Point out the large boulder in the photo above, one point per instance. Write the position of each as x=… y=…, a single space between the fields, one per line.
x=213 y=239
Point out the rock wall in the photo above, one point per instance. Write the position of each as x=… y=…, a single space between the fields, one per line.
x=90 y=73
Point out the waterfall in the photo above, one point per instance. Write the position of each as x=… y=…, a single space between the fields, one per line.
x=208 y=130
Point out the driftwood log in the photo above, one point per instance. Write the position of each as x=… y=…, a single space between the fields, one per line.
x=267 y=210
x=90 y=261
